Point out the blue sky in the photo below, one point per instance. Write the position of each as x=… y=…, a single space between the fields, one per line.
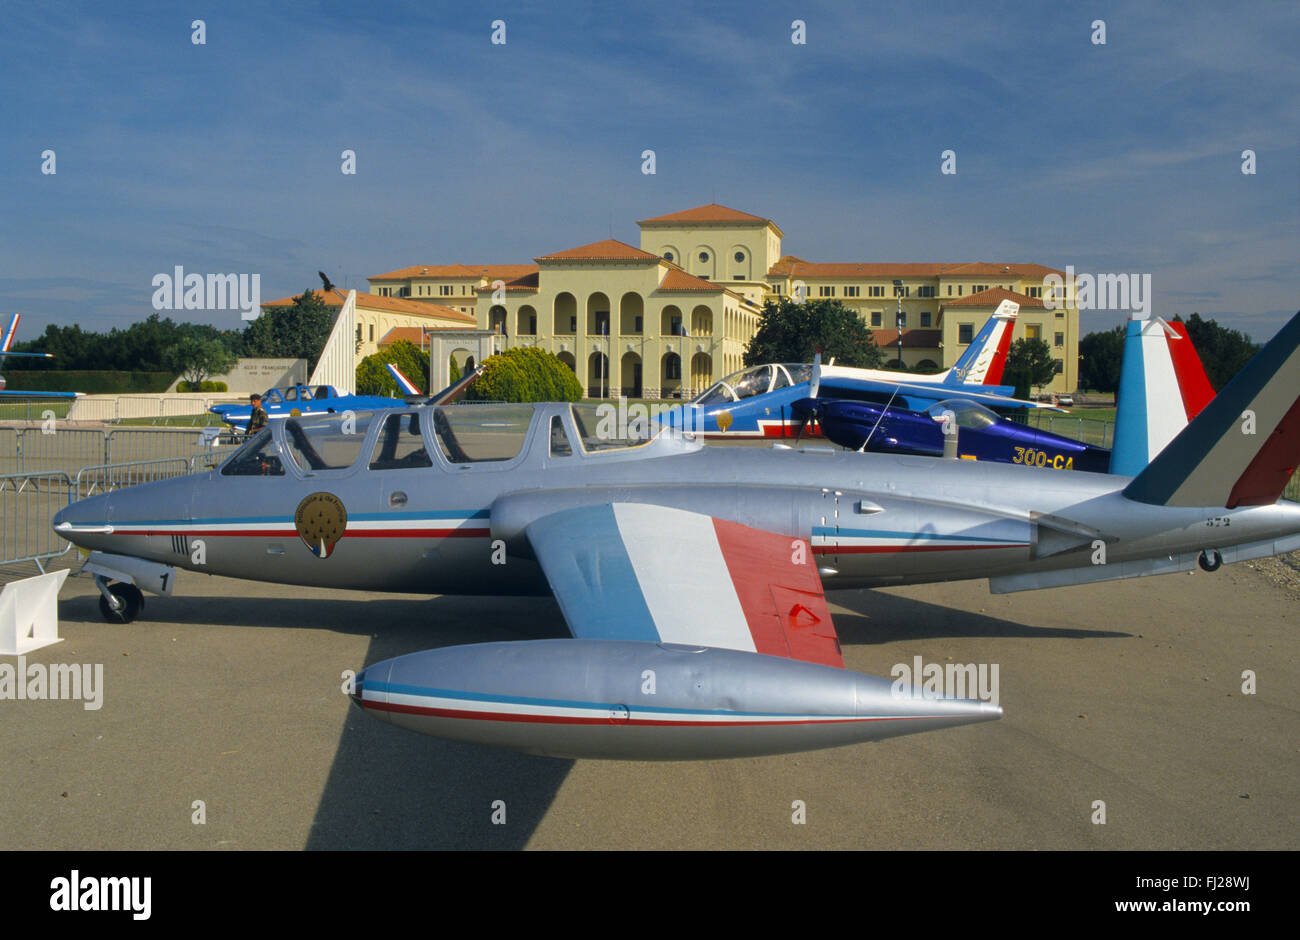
x=225 y=157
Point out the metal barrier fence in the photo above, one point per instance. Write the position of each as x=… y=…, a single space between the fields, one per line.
x=28 y=502
x=1088 y=430
x=37 y=448
x=104 y=478
x=106 y=408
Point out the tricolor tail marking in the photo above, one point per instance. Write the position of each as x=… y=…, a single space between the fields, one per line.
x=1162 y=387
x=1243 y=448
x=404 y=385
x=984 y=360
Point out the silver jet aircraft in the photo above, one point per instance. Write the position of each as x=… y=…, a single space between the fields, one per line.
x=691 y=577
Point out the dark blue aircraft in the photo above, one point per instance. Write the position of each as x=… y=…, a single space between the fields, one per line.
x=978 y=432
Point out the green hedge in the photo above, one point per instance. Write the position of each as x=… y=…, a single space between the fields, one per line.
x=204 y=386
x=92 y=383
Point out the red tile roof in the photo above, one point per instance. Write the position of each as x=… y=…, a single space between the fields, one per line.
x=611 y=249
x=412 y=334
x=991 y=298
x=678 y=280
x=790 y=266
x=527 y=282
x=451 y=272
x=336 y=298
x=710 y=213
x=912 y=339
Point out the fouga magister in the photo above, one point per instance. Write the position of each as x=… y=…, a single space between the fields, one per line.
x=691 y=577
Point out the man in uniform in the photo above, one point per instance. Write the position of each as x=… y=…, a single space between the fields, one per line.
x=256 y=420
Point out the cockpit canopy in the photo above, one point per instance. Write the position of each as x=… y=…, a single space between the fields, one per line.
x=413 y=437
x=756 y=380
x=966 y=413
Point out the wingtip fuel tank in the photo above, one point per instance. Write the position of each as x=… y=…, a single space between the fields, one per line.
x=628 y=700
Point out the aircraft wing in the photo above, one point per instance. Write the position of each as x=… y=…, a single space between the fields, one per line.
x=971 y=393
x=22 y=394
x=636 y=571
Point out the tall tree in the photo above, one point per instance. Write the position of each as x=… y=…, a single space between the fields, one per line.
x=1029 y=363
x=373 y=377
x=296 y=331
x=1100 y=357
x=793 y=332
x=196 y=358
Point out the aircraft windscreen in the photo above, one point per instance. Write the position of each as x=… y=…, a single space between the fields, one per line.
x=475 y=433
x=600 y=427
x=968 y=414
x=259 y=457
x=738 y=386
x=400 y=445
x=327 y=442
x=799 y=371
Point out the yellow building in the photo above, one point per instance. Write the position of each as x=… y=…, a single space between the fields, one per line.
x=376 y=315
x=673 y=316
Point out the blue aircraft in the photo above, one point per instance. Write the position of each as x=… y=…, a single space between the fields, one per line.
x=756 y=402
x=306 y=400
x=1163 y=386
x=299 y=400
x=7 y=340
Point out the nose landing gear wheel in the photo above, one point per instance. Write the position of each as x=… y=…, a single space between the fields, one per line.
x=1210 y=560
x=130 y=601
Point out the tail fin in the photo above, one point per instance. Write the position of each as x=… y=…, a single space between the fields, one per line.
x=9 y=333
x=1162 y=387
x=1244 y=447
x=404 y=385
x=984 y=359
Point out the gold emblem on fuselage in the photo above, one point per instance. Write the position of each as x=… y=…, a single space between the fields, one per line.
x=321 y=521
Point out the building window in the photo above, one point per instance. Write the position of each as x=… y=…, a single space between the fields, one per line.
x=673 y=367
x=1060 y=315
x=740 y=257
x=1060 y=339
x=949 y=290
x=877 y=291
x=776 y=289
x=1033 y=331
x=1036 y=292
x=965 y=333
x=738 y=277
x=852 y=291
x=925 y=291
x=902 y=291
x=826 y=291
x=372 y=332
x=406 y=292
x=704 y=256
x=1059 y=365
x=668 y=256
x=573 y=324
x=637 y=325
x=925 y=319
x=446 y=290
x=876 y=317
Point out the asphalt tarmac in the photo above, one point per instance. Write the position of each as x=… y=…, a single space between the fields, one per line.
x=1127 y=694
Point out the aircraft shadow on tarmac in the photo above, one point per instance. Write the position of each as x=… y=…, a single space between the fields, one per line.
x=876 y=618
x=392 y=789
